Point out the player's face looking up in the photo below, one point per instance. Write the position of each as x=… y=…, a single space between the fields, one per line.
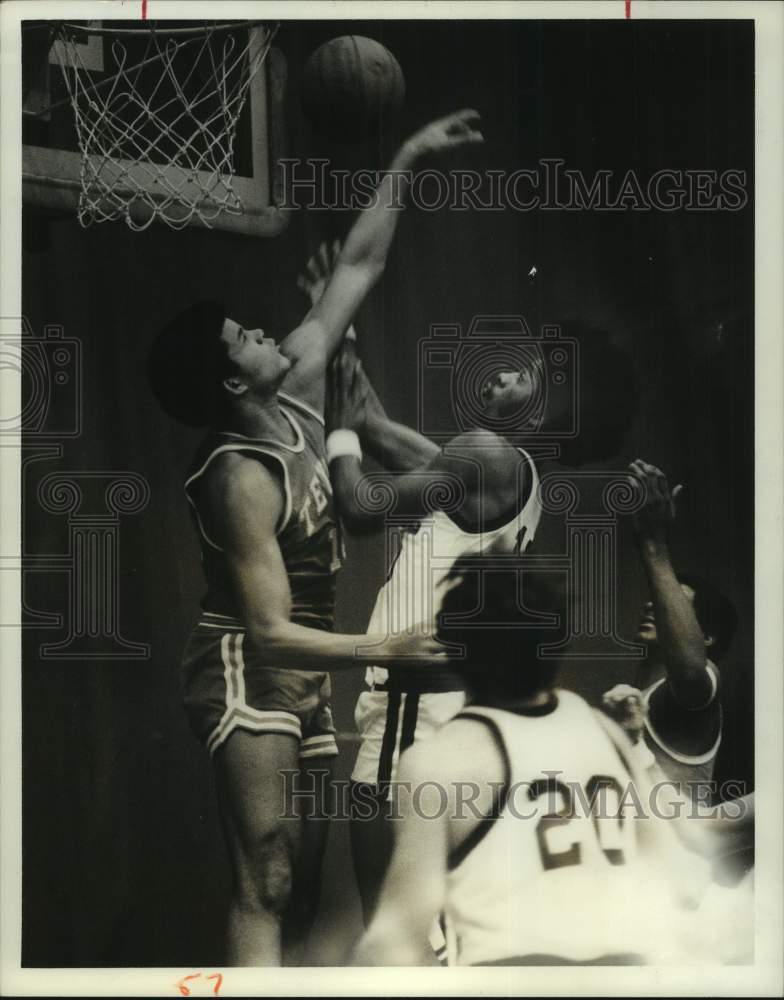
x=259 y=365
x=506 y=392
x=646 y=630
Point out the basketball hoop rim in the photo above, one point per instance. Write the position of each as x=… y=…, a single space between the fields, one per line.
x=203 y=28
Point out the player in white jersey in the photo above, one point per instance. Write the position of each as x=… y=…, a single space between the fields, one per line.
x=427 y=555
x=476 y=496
x=403 y=705
x=523 y=817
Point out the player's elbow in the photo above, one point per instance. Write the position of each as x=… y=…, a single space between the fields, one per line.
x=691 y=683
x=361 y=522
x=359 y=510
x=269 y=639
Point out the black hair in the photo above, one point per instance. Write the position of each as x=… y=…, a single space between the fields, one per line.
x=715 y=613
x=482 y=613
x=187 y=363
x=607 y=394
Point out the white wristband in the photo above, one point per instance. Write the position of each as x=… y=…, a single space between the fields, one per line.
x=343 y=442
x=641 y=755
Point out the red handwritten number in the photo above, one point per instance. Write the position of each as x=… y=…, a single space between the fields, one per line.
x=197 y=975
x=183 y=988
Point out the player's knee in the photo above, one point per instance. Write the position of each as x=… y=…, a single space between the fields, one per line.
x=267 y=877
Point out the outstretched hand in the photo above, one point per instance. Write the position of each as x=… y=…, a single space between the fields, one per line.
x=657 y=515
x=461 y=128
x=347 y=390
x=318 y=271
x=415 y=647
x=373 y=406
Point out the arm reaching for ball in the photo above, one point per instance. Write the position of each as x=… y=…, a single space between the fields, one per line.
x=393 y=445
x=477 y=479
x=362 y=258
x=679 y=636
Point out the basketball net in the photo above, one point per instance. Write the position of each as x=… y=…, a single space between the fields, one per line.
x=157 y=137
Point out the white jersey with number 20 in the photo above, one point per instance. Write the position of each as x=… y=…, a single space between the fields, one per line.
x=553 y=875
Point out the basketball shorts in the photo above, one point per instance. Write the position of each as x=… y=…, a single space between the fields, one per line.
x=225 y=688
x=389 y=721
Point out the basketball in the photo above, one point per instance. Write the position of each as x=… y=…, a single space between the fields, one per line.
x=352 y=86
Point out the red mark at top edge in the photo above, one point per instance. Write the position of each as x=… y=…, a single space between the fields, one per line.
x=144 y=9
x=628 y=7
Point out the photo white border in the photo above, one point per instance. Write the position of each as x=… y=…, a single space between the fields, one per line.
x=764 y=978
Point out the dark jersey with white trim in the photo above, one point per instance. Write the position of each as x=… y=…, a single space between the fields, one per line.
x=683 y=741
x=308 y=531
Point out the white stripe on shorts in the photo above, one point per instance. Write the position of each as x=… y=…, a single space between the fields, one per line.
x=238 y=714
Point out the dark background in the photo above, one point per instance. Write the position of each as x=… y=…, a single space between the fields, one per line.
x=123 y=859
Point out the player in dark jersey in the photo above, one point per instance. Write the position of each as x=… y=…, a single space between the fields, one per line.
x=255 y=681
x=674 y=711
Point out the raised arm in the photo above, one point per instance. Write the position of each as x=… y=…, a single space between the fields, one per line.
x=478 y=478
x=393 y=445
x=244 y=508
x=396 y=446
x=363 y=256
x=680 y=640
x=474 y=489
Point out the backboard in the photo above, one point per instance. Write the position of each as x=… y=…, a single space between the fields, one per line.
x=52 y=162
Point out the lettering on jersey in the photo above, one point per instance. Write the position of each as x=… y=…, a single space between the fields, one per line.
x=608 y=833
x=555 y=818
x=319 y=495
x=607 y=823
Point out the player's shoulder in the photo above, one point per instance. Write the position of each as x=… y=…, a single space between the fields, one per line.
x=236 y=470
x=477 y=437
x=664 y=696
x=504 y=469
x=466 y=748
x=565 y=697
x=574 y=714
x=235 y=480
x=481 y=443
x=612 y=731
